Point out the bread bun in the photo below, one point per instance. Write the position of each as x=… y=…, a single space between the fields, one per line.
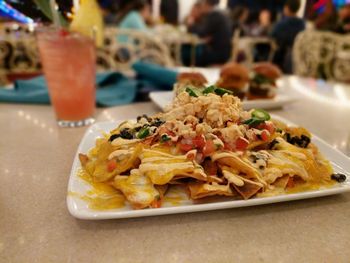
x=268 y=70
x=233 y=69
x=193 y=78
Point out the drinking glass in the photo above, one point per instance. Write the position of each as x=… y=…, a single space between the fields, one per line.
x=69 y=66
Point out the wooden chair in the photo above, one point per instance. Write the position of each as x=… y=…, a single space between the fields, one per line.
x=124 y=46
x=245 y=46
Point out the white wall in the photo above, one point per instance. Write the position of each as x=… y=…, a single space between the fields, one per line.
x=184 y=8
x=302 y=8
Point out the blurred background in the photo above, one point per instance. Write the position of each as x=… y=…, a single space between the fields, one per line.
x=303 y=37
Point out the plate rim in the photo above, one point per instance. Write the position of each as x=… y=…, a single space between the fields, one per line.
x=112 y=214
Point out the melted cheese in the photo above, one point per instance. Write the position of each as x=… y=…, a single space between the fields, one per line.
x=137 y=188
x=120 y=152
x=121 y=142
x=232 y=178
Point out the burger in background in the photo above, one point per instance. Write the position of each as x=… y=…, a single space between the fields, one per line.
x=263 y=81
x=194 y=80
x=235 y=78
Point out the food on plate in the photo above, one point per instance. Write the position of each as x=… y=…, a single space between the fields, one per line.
x=234 y=77
x=194 y=80
x=263 y=82
x=206 y=144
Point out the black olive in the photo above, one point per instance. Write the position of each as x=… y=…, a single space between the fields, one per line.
x=113 y=137
x=302 y=141
x=272 y=144
x=126 y=134
x=339 y=177
x=200 y=120
x=287 y=137
x=137 y=128
x=143 y=116
x=305 y=141
x=157 y=122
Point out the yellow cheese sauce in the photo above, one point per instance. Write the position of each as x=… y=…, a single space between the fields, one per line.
x=309 y=187
x=175 y=196
x=101 y=196
x=304 y=187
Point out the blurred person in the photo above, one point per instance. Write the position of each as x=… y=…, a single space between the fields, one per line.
x=284 y=33
x=323 y=14
x=216 y=32
x=263 y=27
x=195 y=17
x=134 y=14
x=343 y=24
x=239 y=17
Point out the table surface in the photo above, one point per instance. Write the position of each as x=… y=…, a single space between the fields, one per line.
x=35 y=226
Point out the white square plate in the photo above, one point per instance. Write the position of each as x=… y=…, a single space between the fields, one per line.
x=79 y=208
x=164 y=98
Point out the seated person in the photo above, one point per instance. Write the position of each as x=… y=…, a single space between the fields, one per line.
x=133 y=14
x=239 y=17
x=284 y=33
x=215 y=30
x=343 y=24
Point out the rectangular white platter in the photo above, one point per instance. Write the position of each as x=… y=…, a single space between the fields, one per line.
x=79 y=208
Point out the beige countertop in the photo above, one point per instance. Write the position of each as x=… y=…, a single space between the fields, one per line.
x=35 y=225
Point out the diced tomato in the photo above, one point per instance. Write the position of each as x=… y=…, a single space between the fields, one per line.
x=156 y=203
x=199 y=141
x=267 y=126
x=209 y=148
x=185 y=147
x=290 y=183
x=227 y=147
x=111 y=165
x=265 y=135
x=241 y=144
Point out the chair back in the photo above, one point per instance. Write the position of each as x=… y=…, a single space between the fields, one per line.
x=322 y=54
x=19 y=54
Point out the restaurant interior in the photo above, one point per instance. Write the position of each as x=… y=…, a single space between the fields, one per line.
x=174 y=130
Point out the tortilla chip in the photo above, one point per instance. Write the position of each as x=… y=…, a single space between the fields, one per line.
x=241 y=166
x=83 y=159
x=247 y=190
x=281 y=182
x=162 y=189
x=100 y=168
x=201 y=190
x=244 y=186
x=138 y=189
x=163 y=168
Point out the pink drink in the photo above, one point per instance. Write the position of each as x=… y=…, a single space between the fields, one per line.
x=69 y=65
